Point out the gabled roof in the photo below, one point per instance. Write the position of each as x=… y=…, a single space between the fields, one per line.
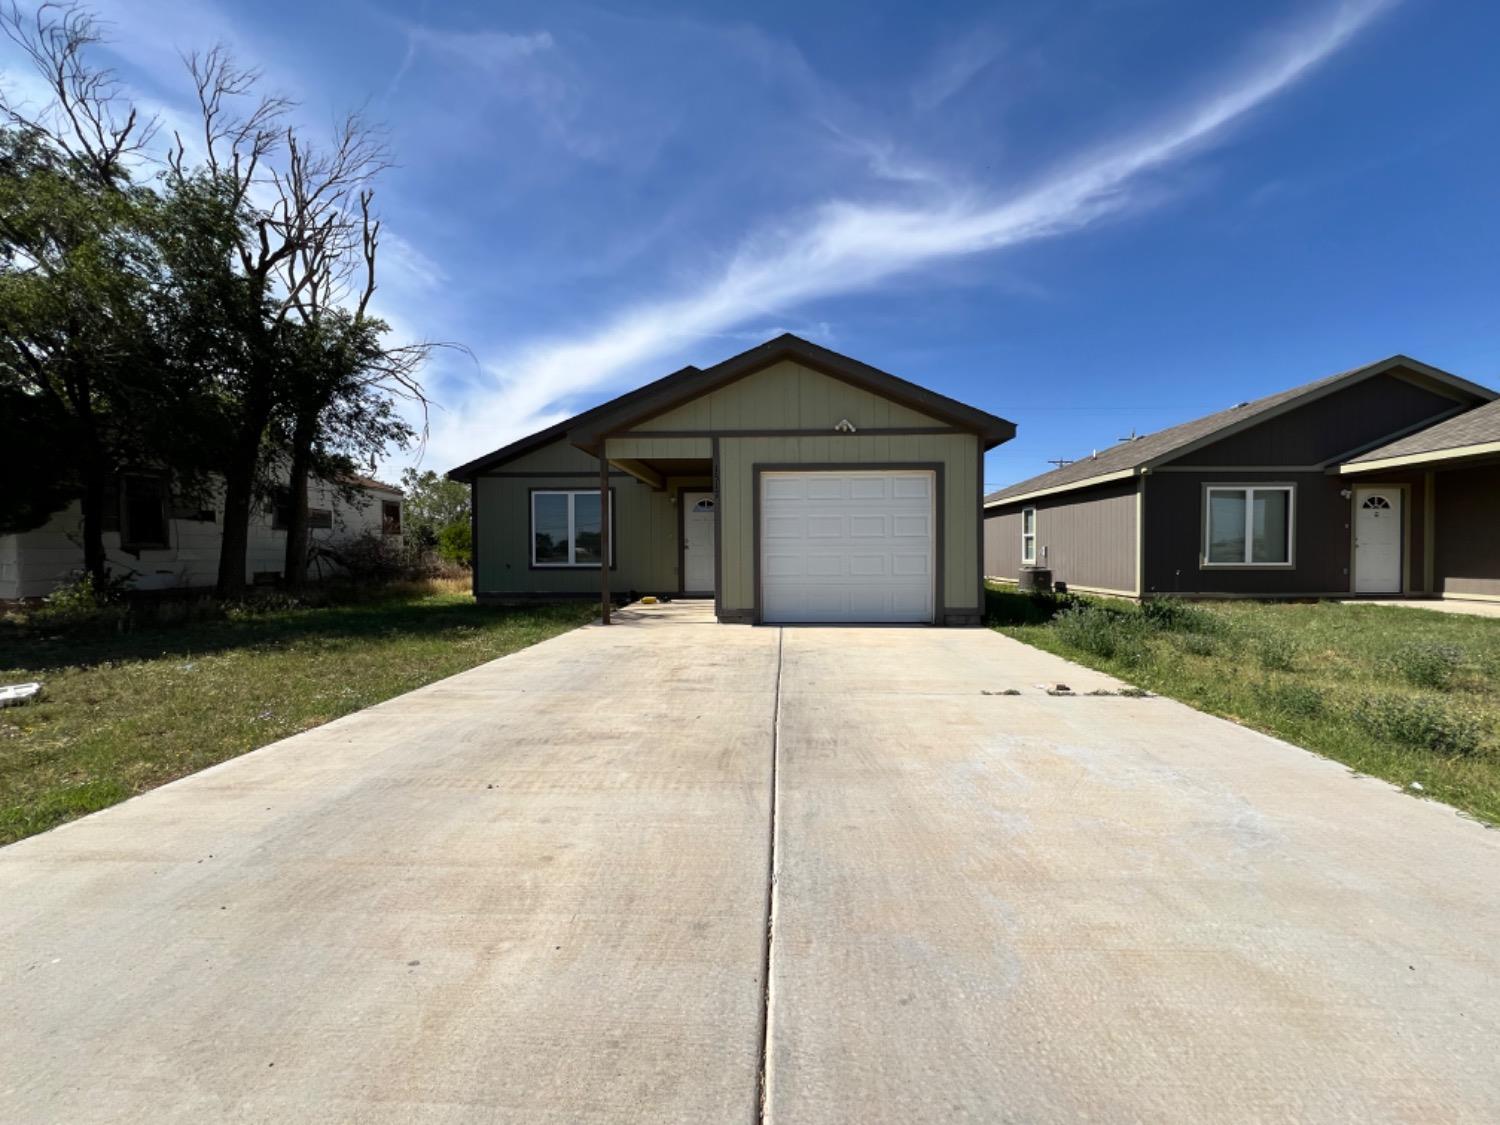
x=1474 y=434
x=471 y=469
x=680 y=388
x=585 y=430
x=372 y=484
x=1129 y=458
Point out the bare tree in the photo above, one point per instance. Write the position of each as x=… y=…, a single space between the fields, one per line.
x=343 y=396
x=86 y=118
x=293 y=203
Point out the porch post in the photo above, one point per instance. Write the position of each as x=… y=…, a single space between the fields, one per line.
x=604 y=521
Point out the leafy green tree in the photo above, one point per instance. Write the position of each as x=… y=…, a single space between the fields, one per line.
x=455 y=542
x=432 y=504
x=78 y=266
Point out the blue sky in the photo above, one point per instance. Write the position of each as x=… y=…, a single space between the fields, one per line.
x=1086 y=217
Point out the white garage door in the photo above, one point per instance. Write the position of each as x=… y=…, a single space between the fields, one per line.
x=847 y=546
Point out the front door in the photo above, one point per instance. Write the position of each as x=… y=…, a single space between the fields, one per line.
x=1377 y=540
x=698 y=542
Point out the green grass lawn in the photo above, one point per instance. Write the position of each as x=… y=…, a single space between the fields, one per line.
x=126 y=711
x=1408 y=695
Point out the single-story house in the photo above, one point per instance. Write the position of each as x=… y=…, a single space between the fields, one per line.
x=163 y=541
x=1381 y=480
x=789 y=483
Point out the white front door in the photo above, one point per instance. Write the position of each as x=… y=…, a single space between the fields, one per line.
x=1377 y=540
x=848 y=546
x=698 y=542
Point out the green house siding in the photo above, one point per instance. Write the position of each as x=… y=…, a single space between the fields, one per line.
x=786 y=396
x=645 y=532
x=960 y=498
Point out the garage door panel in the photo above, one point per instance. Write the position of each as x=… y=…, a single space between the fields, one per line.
x=826 y=489
x=911 y=488
x=848 y=546
x=910 y=566
x=785 y=488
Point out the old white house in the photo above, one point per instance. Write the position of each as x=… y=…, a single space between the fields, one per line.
x=163 y=544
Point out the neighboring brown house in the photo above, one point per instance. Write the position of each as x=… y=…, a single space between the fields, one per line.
x=1381 y=480
x=788 y=483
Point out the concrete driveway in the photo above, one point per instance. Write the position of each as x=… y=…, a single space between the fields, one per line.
x=539 y=892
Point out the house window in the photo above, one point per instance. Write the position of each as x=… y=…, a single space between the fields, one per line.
x=281 y=515
x=390 y=517
x=565 y=529
x=143 y=513
x=1028 y=536
x=1247 y=526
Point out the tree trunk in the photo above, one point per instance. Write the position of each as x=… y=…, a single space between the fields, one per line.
x=303 y=432
x=95 y=474
x=239 y=491
x=94 y=560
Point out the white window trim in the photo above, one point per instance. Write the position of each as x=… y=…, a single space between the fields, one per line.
x=1028 y=557
x=1249 y=488
x=570 y=493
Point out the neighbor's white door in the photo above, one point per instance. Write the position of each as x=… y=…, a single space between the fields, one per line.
x=848 y=546
x=698 y=542
x=1377 y=540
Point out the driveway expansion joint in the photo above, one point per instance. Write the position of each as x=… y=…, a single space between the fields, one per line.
x=770 y=932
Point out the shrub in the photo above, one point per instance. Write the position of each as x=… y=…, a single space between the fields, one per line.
x=1425 y=724
x=1105 y=633
x=378 y=558
x=1013 y=607
x=1173 y=615
x=1291 y=698
x=1428 y=665
x=81 y=603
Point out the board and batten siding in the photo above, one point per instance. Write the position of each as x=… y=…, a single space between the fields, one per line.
x=786 y=396
x=1467 y=533
x=957 y=453
x=1087 y=538
x=645 y=527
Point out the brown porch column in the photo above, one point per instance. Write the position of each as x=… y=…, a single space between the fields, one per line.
x=604 y=520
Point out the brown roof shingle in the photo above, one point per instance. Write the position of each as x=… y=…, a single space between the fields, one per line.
x=1151 y=448
x=1479 y=426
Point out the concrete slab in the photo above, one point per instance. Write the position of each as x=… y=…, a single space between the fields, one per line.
x=537 y=892
x=1470 y=608
x=532 y=892
x=1027 y=908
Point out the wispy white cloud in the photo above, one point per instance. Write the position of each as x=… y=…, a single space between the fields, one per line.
x=848 y=245
x=956 y=66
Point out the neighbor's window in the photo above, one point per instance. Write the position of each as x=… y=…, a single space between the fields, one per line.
x=1249 y=526
x=281 y=514
x=143 y=512
x=1028 y=536
x=390 y=517
x=565 y=529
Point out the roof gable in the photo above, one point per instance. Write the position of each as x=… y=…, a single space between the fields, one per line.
x=1129 y=458
x=786 y=394
x=679 y=389
x=672 y=391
